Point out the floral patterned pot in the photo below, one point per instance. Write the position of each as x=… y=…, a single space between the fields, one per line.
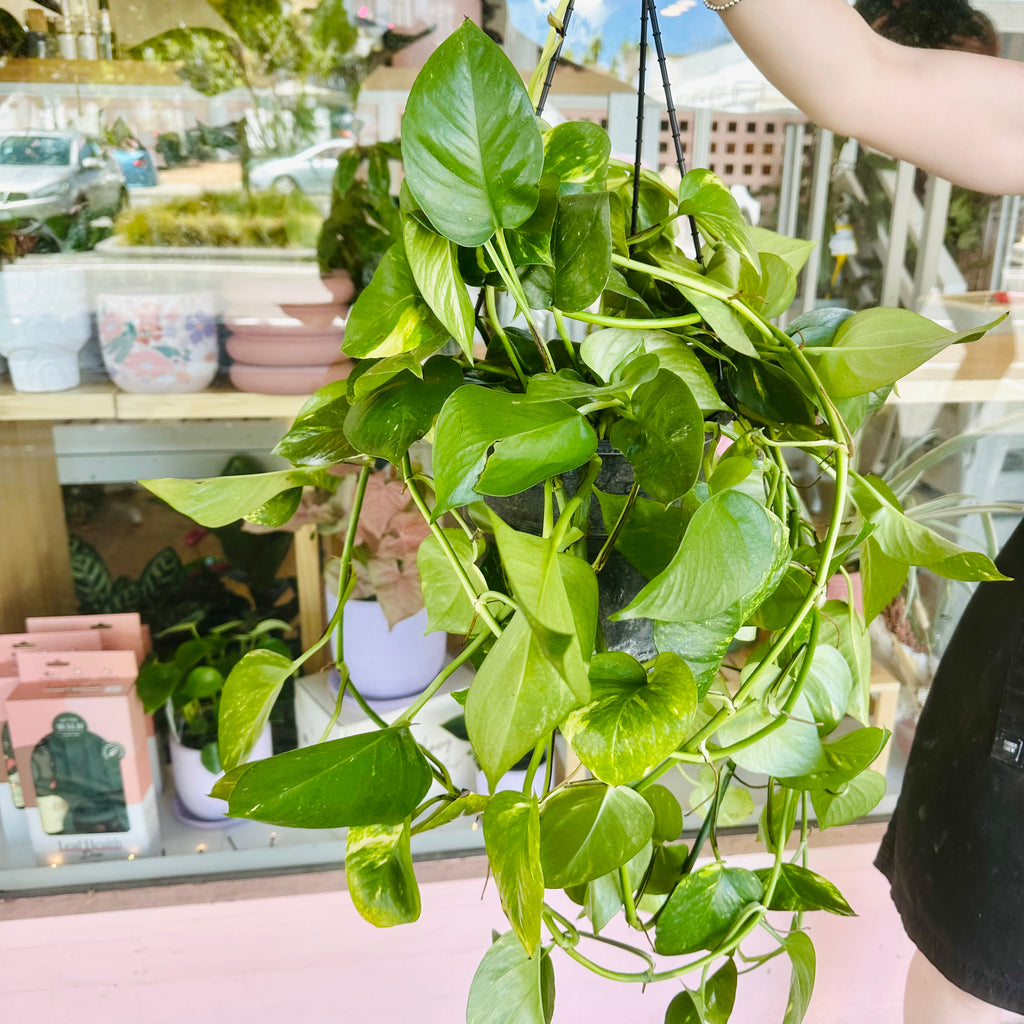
x=156 y=344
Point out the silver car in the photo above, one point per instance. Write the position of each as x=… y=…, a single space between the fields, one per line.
x=54 y=174
x=311 y=171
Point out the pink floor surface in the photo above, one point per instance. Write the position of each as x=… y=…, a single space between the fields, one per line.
x=309 y=959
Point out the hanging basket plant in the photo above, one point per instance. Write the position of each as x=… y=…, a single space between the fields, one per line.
x=685 y=375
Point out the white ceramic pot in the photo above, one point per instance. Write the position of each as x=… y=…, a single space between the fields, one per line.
x=44 y=321
x=193 y=780
x=387 y=664
x=158 y=344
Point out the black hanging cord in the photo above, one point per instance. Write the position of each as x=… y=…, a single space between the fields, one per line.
x=673 y=121
x=640 y=97
x=553 y=63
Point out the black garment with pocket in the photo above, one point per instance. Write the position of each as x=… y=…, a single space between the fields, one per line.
x=954 y=849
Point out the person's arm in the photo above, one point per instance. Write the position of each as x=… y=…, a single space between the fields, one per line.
x=958 y=115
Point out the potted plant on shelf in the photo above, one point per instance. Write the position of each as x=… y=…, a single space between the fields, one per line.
x=190 y=685
x=686 y=379
x=388 y=652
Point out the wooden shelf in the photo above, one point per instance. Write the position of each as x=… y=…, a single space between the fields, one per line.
x=103 y=401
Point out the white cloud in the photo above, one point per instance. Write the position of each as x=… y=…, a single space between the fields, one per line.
x=677 y=8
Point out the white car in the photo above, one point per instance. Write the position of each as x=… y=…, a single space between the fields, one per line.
x=311 y=171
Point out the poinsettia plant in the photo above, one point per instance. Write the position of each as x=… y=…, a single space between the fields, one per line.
x=621 y=507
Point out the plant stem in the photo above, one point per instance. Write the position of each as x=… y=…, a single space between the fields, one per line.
x=438 y=533
x=613 y=536
x=564 y=335
x=600 y=320
x=439 y=680
x=492 y=312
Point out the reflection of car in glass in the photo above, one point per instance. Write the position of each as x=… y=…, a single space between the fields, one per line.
x=57 y=174
x=312 y=170
x=136 y=165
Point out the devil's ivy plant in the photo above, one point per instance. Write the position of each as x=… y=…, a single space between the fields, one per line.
x=685 y=376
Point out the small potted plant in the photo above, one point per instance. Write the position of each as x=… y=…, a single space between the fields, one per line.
x=188 y=685
x=387 y=650
x=682 y=352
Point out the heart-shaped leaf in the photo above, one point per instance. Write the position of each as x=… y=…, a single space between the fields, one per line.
x=449 y=608
x=471 y=147
x=317 y=437
x=849 y=801
x=800 y=950
x=703 y=906
x=799 y=889
x=632 y=725
x=373 y=778
x=589 y=830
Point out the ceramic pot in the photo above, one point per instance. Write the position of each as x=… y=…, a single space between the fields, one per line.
x=193 y=781
x=284 y=343
x=286 y=380
x=315 y=314
x=159 y=344
x=44 y=321
x=339 y=284
x=387 y=664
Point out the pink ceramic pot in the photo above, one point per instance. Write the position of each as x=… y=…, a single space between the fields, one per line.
x=315 y=314
x=286 y=380
x=293 y=351
x=339 y=284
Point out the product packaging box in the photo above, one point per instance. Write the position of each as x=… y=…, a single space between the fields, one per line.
x=79 y=739
x=118 y=631
x=13 y=823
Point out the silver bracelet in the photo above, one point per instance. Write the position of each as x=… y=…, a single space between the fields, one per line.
x=721 y=7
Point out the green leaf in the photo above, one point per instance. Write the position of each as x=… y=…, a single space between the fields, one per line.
x=795 y=251
x=209 y=757
x=379 y=874
x=317 y=436
x=221 y=500
x=702 y=645
x=390 y=316
x=387 y=421
x=778 y=286
x=603 y=896
x=733 y=553
x=606 y=350
x=668 y=815
x=434 y=263
x=827 y=687
x=791 y=749
x=720 y=993
x=702 y=908
x=904 y=539
x=734 y=807
x=706 y=198
x=529 y=245
x=800 y=889
x=768 y=394
x=800 y=950
x=278 y=510
x=250 y=691
x=155 y=684
x=537 y=573
x=512 y=837
x=632 y=725
x=516 y=699
x=663 y=437
x=818 y=326
x=842 y=760
x=373 y=778
x=882 y=577
x=876 y=347
x=471 y=147
x=531 y=442
x=510 y=987
x=844 y=627
x=589 y=830
x=850 y=801
x=581 y=247
x=683 y=1010
x=651 y=533
x=577 y=153
x=449 y=608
